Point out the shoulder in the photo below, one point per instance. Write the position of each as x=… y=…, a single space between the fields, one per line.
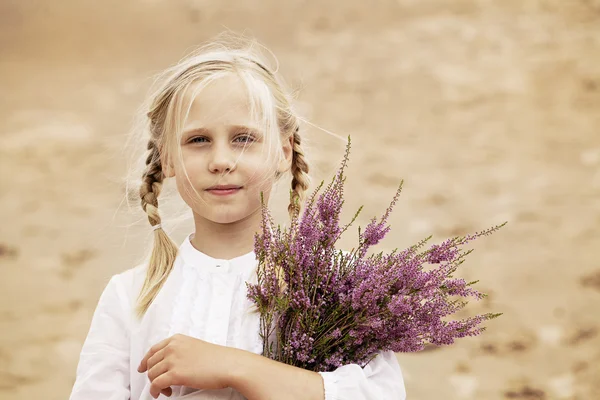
x=129 y=282
x=127 y=285
x=118 y=298
x=132 y=276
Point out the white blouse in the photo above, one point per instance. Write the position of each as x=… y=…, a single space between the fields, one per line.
x=204 y=298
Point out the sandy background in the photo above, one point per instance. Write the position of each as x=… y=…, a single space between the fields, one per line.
x=488 y=109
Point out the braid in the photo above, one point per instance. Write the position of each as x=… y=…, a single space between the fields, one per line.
x=152 y=184
x=300 y=178
x=164 y=250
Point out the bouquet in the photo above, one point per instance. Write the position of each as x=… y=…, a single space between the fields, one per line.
x=321 y=307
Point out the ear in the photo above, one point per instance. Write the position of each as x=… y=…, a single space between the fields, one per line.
x=288 y=153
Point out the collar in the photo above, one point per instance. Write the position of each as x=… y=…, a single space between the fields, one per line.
x=197 y=259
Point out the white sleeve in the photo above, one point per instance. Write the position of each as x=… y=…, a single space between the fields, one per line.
x=103 y=369
x=380 y=379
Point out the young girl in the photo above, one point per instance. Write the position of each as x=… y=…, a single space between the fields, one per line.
x=181 y=325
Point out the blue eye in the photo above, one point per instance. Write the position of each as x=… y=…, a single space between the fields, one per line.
x=244 y=139
x=198 y=139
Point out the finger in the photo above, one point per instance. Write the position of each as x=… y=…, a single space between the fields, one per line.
x=159 y=384
x=143 y=364
x=155 y=359
x=158 y=370
x=167 y=392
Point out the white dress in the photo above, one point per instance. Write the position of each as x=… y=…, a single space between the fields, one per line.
x=204 y=298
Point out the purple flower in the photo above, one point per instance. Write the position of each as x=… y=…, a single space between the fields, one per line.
x=321 y=308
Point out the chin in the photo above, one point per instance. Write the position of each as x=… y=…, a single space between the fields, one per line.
x=226 y=220
x=227 y=217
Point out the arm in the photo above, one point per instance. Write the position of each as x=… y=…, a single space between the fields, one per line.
x=259 y=378
x=103 y=369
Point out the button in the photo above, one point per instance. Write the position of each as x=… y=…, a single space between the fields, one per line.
x=222 y=265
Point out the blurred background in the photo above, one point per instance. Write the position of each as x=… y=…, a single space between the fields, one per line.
x=488 y=109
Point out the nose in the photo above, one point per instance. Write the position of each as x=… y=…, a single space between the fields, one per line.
x=222 y=160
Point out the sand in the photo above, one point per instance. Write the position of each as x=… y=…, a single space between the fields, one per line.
x=487 y=109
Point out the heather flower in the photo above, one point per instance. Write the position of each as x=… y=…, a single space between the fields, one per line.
x=322 y=308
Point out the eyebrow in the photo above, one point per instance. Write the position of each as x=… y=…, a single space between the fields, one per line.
x=205 y=131
x=195 y=130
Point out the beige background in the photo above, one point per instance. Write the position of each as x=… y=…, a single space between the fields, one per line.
x=488 y=109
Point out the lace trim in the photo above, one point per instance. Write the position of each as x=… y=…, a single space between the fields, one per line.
x=180 y=321
x=198 y=311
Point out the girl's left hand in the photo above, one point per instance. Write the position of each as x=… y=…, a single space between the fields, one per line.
x=187 y=361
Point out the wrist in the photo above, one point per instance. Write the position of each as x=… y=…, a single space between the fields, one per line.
x=240 y=368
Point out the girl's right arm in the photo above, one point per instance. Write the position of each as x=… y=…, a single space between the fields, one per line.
x=103 y=369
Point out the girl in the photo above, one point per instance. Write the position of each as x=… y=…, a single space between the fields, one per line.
x=181 y=325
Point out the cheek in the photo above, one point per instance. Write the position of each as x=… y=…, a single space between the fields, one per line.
x=189 y=167
x=188 y=183
x=261 y=176
x=186 y=191
x=192 y=162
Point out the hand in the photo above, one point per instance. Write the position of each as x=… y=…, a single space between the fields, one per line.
x=183 y=360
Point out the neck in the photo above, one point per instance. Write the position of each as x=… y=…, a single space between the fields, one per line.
x=225 y=241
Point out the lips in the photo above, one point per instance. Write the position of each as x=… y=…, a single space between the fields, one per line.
x=223 y=190
x=224 y=187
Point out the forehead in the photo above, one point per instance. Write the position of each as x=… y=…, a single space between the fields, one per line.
x=223 y=100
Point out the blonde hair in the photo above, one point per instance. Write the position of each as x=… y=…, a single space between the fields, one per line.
x=164 y=113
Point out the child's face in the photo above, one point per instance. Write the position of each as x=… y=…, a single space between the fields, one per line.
x=224 y=153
